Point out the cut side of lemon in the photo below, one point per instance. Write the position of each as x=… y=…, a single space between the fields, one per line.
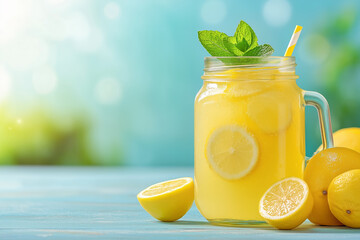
x=287 y=203
x=168 y=201
x=232 y=152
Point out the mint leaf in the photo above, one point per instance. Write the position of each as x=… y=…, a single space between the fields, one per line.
x=261 y=50
x=213 y=42
x=244 y=31
x=242 y=45
x=231 y=45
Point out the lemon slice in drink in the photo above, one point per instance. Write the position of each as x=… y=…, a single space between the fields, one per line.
x=287 y=203
x=168 y=201
x=271 y=111
x=232 y=152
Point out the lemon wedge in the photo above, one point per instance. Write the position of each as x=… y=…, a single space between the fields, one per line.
x=168 y=201
x=286 y=204
x=232 y=152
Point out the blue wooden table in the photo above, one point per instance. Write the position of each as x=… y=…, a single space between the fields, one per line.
x=100 y=203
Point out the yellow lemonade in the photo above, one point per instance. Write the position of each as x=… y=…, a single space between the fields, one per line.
x=249 y=134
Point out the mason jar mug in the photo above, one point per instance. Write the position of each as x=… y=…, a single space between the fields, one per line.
x=249 y=133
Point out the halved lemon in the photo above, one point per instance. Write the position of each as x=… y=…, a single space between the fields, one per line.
x=287 y=203
x=168 y=201
x=232 y=152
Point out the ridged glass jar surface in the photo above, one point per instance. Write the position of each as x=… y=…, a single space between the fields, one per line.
x=253 y=105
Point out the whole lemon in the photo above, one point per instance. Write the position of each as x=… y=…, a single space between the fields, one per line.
x=344 y=198
x=319 y=172
x=347 y=137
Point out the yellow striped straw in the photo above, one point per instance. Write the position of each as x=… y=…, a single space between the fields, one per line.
x=293 y=41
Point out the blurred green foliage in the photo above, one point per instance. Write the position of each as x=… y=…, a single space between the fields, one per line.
x=339 y=72
x=40 y=137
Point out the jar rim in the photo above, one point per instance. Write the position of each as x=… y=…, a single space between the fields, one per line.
x=253 y=57
x=228 y=62
x=264 y=67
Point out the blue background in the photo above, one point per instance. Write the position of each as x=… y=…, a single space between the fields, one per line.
x=130 y=71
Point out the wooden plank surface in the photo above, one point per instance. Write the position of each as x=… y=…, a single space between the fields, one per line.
x=100 y=203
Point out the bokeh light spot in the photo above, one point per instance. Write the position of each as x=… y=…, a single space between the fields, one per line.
x=277 y=12
x=27 y=53
x=55 y=2
x=108 y=91
x=112 y=10
x=12 y=19
x=94 y=42
x=44 y=80
x=213 y=11
x=56 y=28
x=78 y=27
x=315 y=48
x=5 y=83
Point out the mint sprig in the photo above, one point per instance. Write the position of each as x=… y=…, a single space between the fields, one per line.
x=243 y=43
x=214 y=42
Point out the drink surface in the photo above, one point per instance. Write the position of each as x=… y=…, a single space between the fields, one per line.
x=264 y=120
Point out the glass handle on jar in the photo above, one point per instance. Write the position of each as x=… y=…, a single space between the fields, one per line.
x=319 y=102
